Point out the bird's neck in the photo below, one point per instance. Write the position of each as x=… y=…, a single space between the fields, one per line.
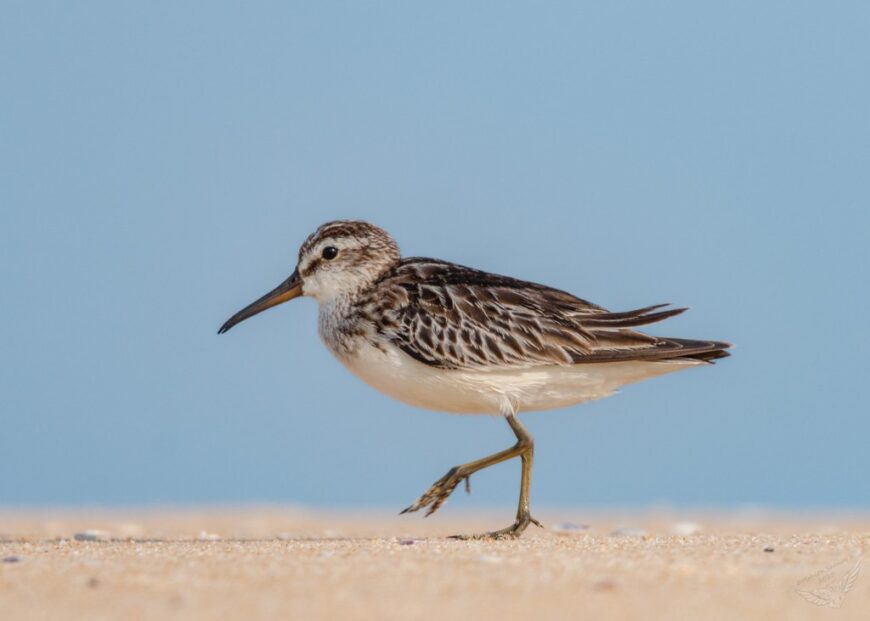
x=338 y=324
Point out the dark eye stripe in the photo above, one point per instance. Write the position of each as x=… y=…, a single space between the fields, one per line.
x=312 y=267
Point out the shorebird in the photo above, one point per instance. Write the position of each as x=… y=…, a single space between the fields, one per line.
x=445 y=337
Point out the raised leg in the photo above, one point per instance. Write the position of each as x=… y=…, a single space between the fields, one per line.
x=443 y=487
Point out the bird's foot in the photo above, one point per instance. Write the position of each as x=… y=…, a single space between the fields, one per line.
x=511 y=532
x=440 y=490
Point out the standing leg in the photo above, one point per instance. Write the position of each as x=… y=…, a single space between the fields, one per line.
x=524 y=515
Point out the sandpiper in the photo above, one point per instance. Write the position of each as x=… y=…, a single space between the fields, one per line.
x=445 y=337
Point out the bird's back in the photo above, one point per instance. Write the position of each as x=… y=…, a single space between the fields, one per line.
x=454 y=317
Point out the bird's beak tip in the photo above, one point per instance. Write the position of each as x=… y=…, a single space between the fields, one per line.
x=287 y=290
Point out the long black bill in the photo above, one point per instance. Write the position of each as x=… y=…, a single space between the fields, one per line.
x=287 y=290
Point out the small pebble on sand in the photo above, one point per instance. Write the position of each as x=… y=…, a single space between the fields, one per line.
x=207 y=536
x=11 y=559
x=569 y=528
x=769 y=548
x=93 y=535
x=684 y=529
x=605 y=584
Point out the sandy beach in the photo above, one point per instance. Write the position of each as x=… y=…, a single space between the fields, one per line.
x=281 y=563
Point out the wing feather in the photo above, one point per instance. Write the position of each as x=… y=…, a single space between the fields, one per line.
x=451 y=316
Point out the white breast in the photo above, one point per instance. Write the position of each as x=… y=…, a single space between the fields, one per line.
x=491 y=391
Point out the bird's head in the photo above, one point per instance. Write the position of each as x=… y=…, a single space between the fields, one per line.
x=338 y=259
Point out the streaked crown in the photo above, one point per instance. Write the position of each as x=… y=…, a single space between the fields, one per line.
x=343 y=257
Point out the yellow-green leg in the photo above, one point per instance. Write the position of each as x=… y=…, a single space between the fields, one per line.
x=443 y=487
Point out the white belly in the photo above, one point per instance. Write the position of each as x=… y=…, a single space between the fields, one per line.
x=492 y=392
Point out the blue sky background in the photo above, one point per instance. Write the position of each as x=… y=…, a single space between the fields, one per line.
x=161 y=162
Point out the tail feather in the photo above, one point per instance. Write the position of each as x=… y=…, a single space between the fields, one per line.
x=662 y=349
x=629 y=319
x=614 y=341
x=708 y=351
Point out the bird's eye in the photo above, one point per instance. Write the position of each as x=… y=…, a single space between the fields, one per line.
x=330 y=252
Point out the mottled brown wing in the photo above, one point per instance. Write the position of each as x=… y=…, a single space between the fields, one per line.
x=450 y=316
